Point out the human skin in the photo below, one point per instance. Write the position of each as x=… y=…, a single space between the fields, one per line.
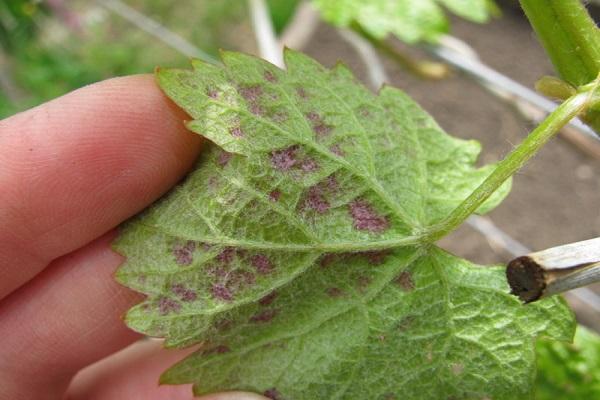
x=71 y=170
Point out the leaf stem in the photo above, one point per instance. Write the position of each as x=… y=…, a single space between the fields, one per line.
x=569 y=36
x=513 y=162
x=571 y=39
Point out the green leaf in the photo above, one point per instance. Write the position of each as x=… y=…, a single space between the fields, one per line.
x=569 y=371
x=410 y=20
x=302 y=233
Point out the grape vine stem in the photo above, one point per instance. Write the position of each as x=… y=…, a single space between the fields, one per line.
x=573 y=106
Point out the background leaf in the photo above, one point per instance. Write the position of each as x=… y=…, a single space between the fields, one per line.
x=569 y=371
x=409 y=20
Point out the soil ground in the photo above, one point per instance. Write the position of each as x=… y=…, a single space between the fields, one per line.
x=556 y=197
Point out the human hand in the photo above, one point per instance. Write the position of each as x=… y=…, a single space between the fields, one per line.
x=71 y=170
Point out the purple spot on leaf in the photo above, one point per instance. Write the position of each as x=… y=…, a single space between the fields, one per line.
x=257 y=109
x=366 y=218
x=331 y=183
x=183 y=293
x=327 y=259
x=284 y=159
x=251 y=93
x=313 y=117
x=226 y=255
x=337 y=150
x=268 y=299
x=334 y=292
x=274 y=195
x=166 y=306
x=376 y=257
x=184 y=253
x=270 y=76
x=224 y=158
x=262 y=264
x=220 y=349
x=246 y=277
x=212 y=93
x=405 y=281
x=272 y=394
x=318 y=125
x=220 y=292
x=263 y=316
x=309 y=165
x=280 y=117
x=315 y=200
x=236 y=132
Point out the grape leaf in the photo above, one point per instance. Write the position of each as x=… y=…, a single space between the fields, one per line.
x=420 y=325
x=300 y=240
x=409 y=20
x=569 y=371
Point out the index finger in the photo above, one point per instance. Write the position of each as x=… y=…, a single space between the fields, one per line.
x=77 y=166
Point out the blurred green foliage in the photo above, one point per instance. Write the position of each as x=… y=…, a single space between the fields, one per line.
x=17 y=22
x=281 y=12
x=569 y=371
x=45 y=56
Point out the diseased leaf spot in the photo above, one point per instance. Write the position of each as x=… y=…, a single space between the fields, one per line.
x=212 y=93
x=279 y=117
x=284 y=159
x=224 y=325
x=268 y=299
x=318 y=125
x=226 y=255
x=236 y=132
x=167 y=305
x=328 y=259
x=302 y=93
x=272 y=394
x=270 y=76
x=309 y=165
x=366 y=218
x=315 y=200
x=220 y=349
x=337 y=150
x=262 y=263
x=252 y=96
x=405 y=281
x=185 y=294
x=221 y=292
x=274 y=195
x=224 y=158
x=263 y=316
x=256 y=109
x=184 y=253
x=334 y=292
x=251 y=93
x=376 y=257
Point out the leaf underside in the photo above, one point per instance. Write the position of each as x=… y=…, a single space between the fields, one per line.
x=295 y=252
x=410 y=20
